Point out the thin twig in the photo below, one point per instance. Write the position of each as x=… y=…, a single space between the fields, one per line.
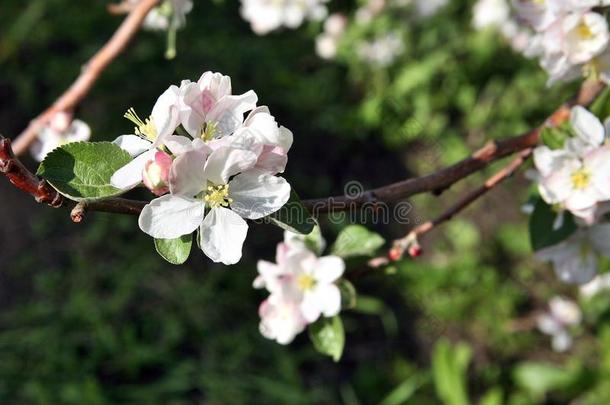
x=89 y=75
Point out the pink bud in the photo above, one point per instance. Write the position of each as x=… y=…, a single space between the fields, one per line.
x=395 y=254
x=156 y=173
x=415 y=251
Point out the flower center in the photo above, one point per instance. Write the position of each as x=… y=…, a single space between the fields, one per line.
x=217 y=196
x=306 y=282
x=581 y=179
x=208 y=130
x=584 y=31
x=145 y=129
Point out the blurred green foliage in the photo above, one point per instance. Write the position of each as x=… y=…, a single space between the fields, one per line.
x=90 y=313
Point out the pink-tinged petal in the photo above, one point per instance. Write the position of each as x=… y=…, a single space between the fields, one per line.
x=187 y=176
x=227 y=161
x=328 y=297
x=228 y=113
x=170 y=217
x=273 y=159
x=582 y=199
x=130 y=175
x=217 y=84
x=133 y=144
x=269 y=276
x=166 y=114
x=192 y=114
x=310 y=307
x=328 y=269
x=281 y=252
x=587 y=126
x=257 y=194
x=222 y=235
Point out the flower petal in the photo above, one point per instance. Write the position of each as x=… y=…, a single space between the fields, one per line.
x=187 y=175
x=328 y=269
x=257 y=194
x=165 y=114
x=171 y=216
x=329 y=299
x=177 y=144
x=587 y=126
x=222 y=235
x=133 y=144
x=130 y=175
x=227 y=161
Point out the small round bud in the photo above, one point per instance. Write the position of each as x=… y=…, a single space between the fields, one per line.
x=156 y=173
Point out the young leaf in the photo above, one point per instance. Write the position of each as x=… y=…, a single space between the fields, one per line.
x=555 y=137
x=176 y=251
x=293 y=216
x=348 y=294
x=356 y=240
x=328 y=336
x=314 y=240
x=541 y=226
x=82 y=170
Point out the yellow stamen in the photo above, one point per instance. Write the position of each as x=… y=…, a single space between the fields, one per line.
x=584 y=31
x=217 y=196
x=581 y=179
x=306 y=282
x=145 y=129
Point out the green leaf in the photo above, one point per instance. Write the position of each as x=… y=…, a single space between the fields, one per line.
x=82 y=170
x=555 y=137
x=328 y=336
x=348 y=294
x=356 y=240
x=449 y=367
x=175 y=251
x=293 y=216
x=541 y=229
x=540 y=378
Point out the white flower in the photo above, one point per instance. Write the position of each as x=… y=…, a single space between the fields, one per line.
x=563 y=314
x=150 y=134
x=575 y=259
x=209 y=110
x=381 y=51
x=60 y=131
x=327 y=42
x=281 y=319
x=170 y=14
x=490 y=13
x=585 y=36
x=578 y=176
x=598 y=284
x=268 y=15
x=213 y=189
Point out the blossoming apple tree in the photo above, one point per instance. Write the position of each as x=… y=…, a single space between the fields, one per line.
x=214 y=162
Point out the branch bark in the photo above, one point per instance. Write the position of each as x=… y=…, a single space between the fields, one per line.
x=89 y=75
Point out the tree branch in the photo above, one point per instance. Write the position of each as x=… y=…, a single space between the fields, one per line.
x=89 y=75
x=441 y=180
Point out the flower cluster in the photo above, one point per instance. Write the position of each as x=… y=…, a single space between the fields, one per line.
x=268 y=15
x=568 y=36
x=563 y=315
x=576 y=178
x=219 y=173
x=62 y=129
x=302 y=289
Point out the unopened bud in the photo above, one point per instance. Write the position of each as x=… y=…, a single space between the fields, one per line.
x=156 y=173
x=415 y=250
x=395 y=254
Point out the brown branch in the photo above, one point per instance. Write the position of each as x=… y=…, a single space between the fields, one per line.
x=89 y=75
x=23 y=179
x=441 y=180
x=400 y=245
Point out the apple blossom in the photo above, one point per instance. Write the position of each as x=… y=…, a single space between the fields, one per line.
x=213 y=190
x=60 y=131
x=563 y=314
x=149 y=135
x=268 y=15
x=302 y=287
x=208 y=109
x=490 y=13
x=578 y=176
x=576 y=259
